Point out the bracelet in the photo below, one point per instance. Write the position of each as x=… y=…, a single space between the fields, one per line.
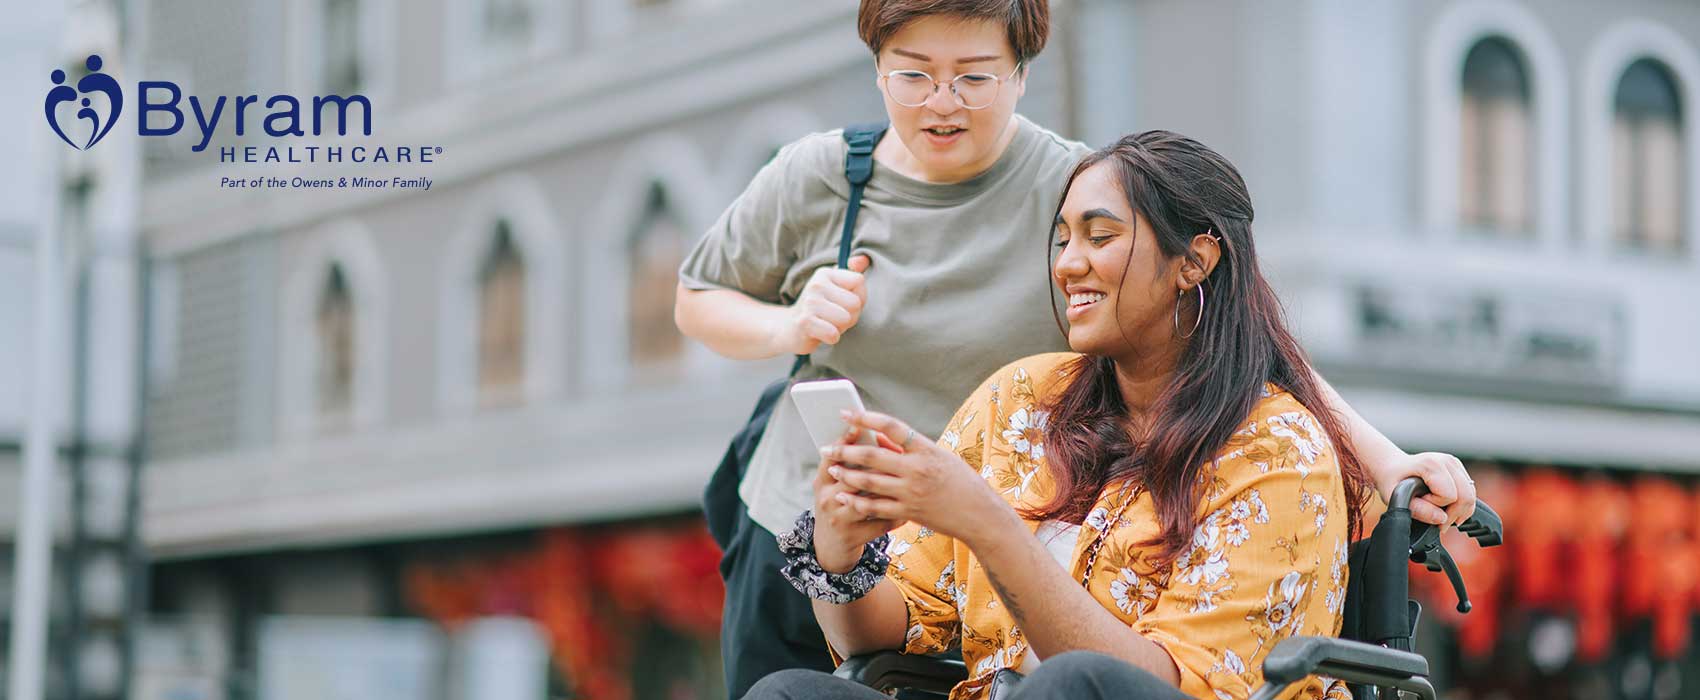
x=804 y=571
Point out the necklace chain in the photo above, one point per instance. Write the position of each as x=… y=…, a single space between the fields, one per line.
x=1104 y=534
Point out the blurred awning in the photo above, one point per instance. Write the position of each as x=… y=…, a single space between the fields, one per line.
x=1525 y=431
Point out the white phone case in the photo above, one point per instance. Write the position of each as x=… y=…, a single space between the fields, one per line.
x=820 y=403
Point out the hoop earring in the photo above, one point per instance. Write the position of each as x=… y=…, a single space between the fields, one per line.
x=1196 y=321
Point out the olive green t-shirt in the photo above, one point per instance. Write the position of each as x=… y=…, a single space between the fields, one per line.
x=958 y=286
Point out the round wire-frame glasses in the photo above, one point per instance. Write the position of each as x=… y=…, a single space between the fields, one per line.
x=912 y=88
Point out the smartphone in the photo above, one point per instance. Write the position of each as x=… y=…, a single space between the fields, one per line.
x=820 y=403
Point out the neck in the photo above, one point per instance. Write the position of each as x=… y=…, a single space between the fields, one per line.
x=1142 y=377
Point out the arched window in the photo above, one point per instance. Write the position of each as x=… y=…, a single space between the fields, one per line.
x=1496 y=168
x=1648 y=176
x=501 y=318
x=334 y=321
x=656 y=250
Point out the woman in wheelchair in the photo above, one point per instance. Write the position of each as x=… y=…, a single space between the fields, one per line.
x=1142 y=518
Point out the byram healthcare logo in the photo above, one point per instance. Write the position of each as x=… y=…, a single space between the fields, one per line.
x=159 y=110
x=94 y=82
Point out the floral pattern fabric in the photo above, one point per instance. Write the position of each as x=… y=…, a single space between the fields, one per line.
x=1267 y=560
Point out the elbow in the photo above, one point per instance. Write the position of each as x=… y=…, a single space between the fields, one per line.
x=848 y=644
x=683 y=299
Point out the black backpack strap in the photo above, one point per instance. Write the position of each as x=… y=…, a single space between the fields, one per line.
x=858 y=168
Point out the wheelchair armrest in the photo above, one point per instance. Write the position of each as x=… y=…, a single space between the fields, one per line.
x=885 y=670
x=1354 y=662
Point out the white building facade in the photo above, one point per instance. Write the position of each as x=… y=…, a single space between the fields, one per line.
x=1481 y=215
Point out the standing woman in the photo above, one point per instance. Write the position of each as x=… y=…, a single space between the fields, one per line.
x=940 y=292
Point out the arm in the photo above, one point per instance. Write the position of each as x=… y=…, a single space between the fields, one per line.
x=873 y=623
x=741 y=327
x=1452 y=495
x=730 y=323
x=1054 y=611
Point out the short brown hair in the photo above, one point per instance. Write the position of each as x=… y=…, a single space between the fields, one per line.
x=1027 y=22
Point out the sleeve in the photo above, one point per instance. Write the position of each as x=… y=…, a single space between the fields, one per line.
x=750 y=248
x=1268 y=562
x=924 y=564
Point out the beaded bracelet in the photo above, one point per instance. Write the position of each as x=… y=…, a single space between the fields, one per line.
x=804 y=571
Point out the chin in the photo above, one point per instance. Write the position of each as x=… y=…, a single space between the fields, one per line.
x=1084 y=344
x=952 y=159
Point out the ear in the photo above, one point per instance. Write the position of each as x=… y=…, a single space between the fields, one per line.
x=1206 y=249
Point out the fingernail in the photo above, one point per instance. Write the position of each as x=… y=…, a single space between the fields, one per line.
x=833 y=470
x=826 y=451
x=846 y=414
x=843 y=498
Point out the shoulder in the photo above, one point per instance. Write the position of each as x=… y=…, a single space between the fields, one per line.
x=1054 y=151
x=806 y=168
x=1022 y=385
x=1281 y=435
x=1045 y=166
x=1293 y=426
x=822 y=151
x=1035 y=377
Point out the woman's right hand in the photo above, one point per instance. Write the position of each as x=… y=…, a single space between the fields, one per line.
x=831 y=303
x=840 y=531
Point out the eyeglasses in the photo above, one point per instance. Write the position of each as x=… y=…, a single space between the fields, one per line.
x=912 y=88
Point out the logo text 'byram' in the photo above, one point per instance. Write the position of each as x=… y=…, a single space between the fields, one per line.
x=159 y=98
x=285 y=120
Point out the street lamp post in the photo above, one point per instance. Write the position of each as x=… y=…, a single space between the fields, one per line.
x=36 y=496
x=33 y=565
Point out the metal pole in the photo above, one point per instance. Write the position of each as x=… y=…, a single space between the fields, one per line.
x=35 y=521
x=135 y=559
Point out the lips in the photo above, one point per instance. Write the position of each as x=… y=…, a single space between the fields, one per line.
x=941 y=136
x=1086 y=298
x=1081 y=301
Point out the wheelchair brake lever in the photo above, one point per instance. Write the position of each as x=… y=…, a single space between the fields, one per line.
x=1436 y=558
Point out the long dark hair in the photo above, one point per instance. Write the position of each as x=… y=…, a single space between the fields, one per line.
x=1182 y=189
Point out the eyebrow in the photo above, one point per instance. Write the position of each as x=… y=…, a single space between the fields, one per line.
x=1090 y=214
x=923 y=57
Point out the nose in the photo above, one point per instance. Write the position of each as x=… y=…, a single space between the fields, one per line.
x=943 y=100
x=1071 y=264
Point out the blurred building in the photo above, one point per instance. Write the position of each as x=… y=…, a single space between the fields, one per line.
x=85 y=199
x=382 y=425
x=471 y=402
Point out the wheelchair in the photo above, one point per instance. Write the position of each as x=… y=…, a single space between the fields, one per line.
x=1372 y=654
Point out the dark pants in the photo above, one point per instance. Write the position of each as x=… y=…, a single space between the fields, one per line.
x=767 y=625
x=1076 y=675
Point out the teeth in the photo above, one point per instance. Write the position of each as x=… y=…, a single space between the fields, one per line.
x=1085 y=298
x=944 y=131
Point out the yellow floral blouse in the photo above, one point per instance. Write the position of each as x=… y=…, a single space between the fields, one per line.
x=1269 y=560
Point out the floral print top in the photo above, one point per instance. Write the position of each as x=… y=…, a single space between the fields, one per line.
x=1268 y=560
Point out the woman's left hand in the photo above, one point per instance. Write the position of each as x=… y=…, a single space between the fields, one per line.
x=924 y=482
x=1452 y=494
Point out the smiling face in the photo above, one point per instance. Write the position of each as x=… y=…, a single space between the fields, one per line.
x=944 y=141
x=1121 y=289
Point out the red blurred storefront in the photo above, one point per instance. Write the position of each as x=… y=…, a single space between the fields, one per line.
x=1594 y=595
x=622 y=610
